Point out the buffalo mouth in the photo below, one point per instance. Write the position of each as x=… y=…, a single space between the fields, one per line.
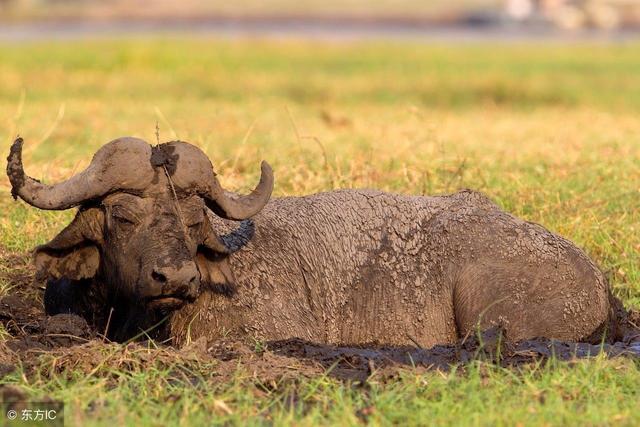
x=168 y=302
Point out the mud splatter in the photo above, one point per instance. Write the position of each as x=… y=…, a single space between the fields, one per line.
x=163 y=155
x=14 y=167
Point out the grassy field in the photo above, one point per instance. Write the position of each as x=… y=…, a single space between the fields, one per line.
x=552 y=133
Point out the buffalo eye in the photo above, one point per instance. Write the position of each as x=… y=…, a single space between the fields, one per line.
x=123 y=220
x=192 y=224
x=122 y=217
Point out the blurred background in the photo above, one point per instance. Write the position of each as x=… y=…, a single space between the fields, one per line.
x=326 y=18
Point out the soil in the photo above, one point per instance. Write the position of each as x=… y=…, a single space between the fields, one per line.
x=65 y=343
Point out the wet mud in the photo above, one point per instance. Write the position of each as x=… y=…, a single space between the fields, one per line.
x=66 y=342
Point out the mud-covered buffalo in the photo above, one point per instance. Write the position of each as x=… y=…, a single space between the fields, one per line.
x=156 y=236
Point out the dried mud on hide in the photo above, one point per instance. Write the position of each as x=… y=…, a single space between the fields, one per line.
x=66 y=344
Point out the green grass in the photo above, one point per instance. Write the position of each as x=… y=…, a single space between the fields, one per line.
x=594 y=392
x=552 y=133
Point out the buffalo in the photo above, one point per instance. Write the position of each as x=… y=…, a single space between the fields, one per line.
x=156 y=239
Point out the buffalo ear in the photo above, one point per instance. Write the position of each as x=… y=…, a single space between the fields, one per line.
x=230 y=242
x=73 y=252
x=76 y=263
x=214 y=252
x=215 y=272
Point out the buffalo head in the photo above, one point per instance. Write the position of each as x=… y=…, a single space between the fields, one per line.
x=143 y=227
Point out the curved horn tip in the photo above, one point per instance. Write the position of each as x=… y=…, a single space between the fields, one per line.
x=17 y=142
x=15 y=171
x=15 y=152
x=266 y=168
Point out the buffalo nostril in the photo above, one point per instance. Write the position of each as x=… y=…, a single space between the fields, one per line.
x=158 y=277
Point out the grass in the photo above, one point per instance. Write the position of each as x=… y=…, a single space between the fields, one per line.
x=549 y=132
x=595 y=392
